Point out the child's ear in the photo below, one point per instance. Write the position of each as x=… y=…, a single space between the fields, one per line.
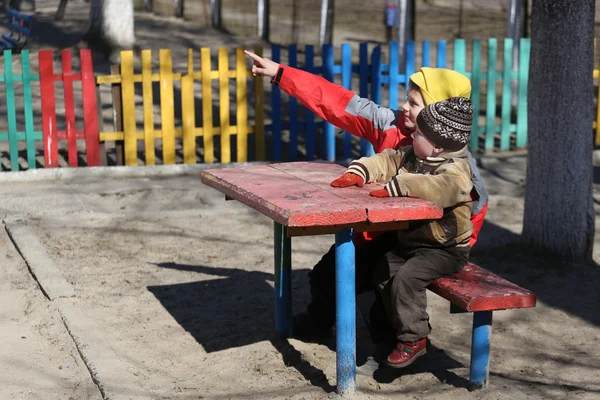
x=437 y=151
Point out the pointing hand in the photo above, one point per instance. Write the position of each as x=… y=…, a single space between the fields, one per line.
x=262 y=66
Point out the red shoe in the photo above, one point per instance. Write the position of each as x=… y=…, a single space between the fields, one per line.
x=406 y=353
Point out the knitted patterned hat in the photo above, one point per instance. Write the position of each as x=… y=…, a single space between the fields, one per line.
x=447 y=123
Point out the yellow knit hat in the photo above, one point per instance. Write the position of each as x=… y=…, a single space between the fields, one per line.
x=437 y=84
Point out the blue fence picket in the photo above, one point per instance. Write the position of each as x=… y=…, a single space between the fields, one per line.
x=309 y=116
x=276 y=107
x=294 y=123
x=425 y=56
x=347 y=83
x=366 y=148
x=411 y=56
x=328 y=129
x=441 y=54
x=376 y=68
x=394 y=76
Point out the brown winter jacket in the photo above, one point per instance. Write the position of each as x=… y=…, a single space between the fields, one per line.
x=444 y=180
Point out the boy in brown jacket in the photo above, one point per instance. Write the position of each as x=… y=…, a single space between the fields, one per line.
x=434 y=168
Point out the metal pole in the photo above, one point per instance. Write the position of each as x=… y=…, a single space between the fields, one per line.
x=345 y=315
x=263 y=19
x=515 y=31
x=283 y=280
x=326 y=27
x=480 y=349
x=406 y=28
x=148 y=5
x=215 y=7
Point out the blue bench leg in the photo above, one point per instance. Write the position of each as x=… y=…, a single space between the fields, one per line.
x=480 y=349
x=283 y=280
x=345 y=316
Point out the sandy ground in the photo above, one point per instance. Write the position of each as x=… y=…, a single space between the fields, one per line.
x=156 y=288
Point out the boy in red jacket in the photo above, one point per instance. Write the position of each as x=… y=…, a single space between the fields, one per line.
x=384 y=129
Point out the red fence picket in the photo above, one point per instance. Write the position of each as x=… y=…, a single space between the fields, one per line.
x=90 y=108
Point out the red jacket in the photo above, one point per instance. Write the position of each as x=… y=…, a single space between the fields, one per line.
x=382 y=127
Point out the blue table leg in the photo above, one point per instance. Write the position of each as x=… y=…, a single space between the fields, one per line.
x=345 y=317
x=480 y=349
x=283 y=280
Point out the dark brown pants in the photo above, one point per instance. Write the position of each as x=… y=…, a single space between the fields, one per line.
x=402 y=281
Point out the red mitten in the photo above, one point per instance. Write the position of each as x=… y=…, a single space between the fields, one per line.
x=379 y=193
x=347 y=180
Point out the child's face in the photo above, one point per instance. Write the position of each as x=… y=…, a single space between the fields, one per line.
x=412 y=107
x=423 y=146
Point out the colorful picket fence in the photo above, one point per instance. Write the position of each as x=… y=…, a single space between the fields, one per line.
x=373 y=73
x=189 y=131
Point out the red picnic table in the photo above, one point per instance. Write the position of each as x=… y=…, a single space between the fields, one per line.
x=298 y=197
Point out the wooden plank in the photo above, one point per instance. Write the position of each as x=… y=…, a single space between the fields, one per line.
x=475 y=92
x=490 y=104
x=69 y=100
x=207 y=110
x=241 y=106
x=128 y=99
x=11 y=113
x=506 y=94
x=276 y=111
x=48 y=108
x=223 y=65
x=293 y=107
x=117 y=118
x=259 y=113
x=188 y=117
x=347 y=83
x=90 y=109
x=310 y=132
x=379 y=210
x=28 y=109
x=148 y=104
x=524 y=49
x=475 y=289
x=167 y=106
x=366 y=227
x=290 y=202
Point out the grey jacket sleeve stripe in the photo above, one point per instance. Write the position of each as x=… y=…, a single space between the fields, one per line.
x=382 y=118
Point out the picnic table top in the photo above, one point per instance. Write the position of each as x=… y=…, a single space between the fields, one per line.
x=299 y=196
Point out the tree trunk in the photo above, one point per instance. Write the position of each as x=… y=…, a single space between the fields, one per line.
x=111 y=26
x=559 y=210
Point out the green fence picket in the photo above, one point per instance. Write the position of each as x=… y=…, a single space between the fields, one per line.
x=460 y=56
x=524 y=47
x=11 y=114
x=28 y=109
x=475 y=91
x=506 y=94
x=490 y=104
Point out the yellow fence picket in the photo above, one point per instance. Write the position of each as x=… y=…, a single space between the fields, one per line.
x=188 y=116
x=167 y=106
x=224 y=105
x=128 y=98
x=207 y=111
x=147 y=99
x=241 y=106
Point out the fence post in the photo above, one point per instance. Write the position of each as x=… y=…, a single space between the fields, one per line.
x=118 y=116
x=215 y=13
x=263 y=19
x=326 y=26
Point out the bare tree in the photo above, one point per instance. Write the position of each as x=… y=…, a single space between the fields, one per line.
x=559 y=211
x=111 y=26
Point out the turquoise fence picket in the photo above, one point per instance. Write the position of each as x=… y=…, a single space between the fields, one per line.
x=459 y=59
x=490 y=104
x=523 y=74
x=475 y=91
x=507 y=66
x=13 y=136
